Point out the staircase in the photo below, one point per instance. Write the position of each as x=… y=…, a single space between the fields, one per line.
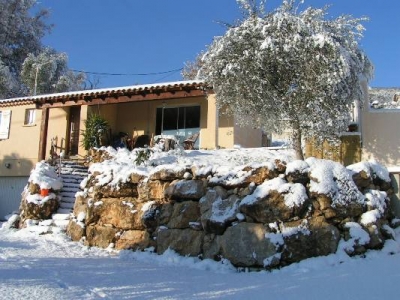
x=72 y=174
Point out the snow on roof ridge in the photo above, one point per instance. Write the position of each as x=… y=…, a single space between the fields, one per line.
x=102 y=90
x=384 y=88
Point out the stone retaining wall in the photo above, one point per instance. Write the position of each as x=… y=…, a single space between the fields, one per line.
x=263 y=216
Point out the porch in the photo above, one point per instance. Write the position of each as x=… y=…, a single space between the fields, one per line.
x=179 y=109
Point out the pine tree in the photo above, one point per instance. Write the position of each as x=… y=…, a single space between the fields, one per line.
x=289 y=68
x=20 y=34
x=48 y=72
x=22 y=27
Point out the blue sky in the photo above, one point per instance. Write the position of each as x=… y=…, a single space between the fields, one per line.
x=151 y=36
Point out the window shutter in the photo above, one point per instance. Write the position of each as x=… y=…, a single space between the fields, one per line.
x=5 y=124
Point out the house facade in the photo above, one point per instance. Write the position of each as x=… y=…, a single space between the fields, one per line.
x=19 y=132
x=381 y=133
x=380 y=126
x=32 y=127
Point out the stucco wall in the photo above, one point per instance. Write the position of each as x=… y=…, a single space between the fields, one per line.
x=108 y=112
x=20 y=150
x=381 y=136
x=138 y=118
x=247 y=137
x=58 y=120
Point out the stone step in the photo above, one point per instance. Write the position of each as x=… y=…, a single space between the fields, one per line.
x=64 y=211
x=63 y=224
x=70 y=188
x=75 y=166
x=71 y=162
x=48 y=222
x=80 y=174
x=67 y=205
x=61 y=216
x=71 y=182
x=73 y=176
x=68 y=194
x=68 y=200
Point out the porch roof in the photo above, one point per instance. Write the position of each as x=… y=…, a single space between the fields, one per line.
x=178 y=89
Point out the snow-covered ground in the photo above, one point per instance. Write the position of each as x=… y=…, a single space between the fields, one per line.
x=50 y=266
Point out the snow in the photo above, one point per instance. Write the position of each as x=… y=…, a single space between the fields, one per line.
x=297 y=166
x=358 y=236
x=45 y=176
x=148 y=205
x=384 y=99
x=38 y=199
x=376 y=199
x=34 y=266
x=333 y=179
x=222 y=214
x=227 y=164
x=372 y=168
x=278 y=237
x=294 y=194
x=106 y=90
x=370 y=217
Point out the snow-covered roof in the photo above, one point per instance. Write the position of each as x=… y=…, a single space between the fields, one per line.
x=15 y=101
x=384 y=98
x=110 y=92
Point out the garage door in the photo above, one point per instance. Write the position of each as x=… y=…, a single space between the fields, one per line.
x=10 y=194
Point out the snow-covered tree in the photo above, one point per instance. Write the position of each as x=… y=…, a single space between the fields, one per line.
x=20 y=34
x=22 y=27
x=6 y=79
x=289 y=67
x=191 y=68
x=48 y=72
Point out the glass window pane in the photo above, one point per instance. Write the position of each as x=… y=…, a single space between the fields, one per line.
x=170 y=118
x=158 y=120
x=192 y=118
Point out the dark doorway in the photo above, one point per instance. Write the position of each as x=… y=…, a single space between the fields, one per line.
x=73 y=127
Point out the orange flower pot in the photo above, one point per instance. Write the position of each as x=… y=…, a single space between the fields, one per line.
x=44 y=192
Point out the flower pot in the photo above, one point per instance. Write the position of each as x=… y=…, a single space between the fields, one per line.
x=44 y=192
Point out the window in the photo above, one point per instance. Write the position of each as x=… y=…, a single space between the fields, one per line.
x=30 y=116
x=5 y=118
x=182 y=121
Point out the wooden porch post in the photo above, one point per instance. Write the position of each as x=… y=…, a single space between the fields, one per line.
x=43 y=133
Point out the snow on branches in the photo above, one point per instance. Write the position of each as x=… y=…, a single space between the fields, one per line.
x=289 y=68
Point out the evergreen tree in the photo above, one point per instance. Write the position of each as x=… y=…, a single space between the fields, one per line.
x=20 y=34
x=48 y=72
x=22 y=27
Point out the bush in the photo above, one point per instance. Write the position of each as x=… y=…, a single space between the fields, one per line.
x=96 y=127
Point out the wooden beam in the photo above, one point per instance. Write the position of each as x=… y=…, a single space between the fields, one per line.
x=43 y=134
x=128 y=98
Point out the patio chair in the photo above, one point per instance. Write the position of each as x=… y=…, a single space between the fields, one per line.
x=188 y=144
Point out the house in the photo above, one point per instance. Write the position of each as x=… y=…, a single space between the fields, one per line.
x=380 y=126
x=380 y=133
x=31 y=126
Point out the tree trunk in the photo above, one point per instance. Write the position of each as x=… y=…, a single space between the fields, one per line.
x=296 y=139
